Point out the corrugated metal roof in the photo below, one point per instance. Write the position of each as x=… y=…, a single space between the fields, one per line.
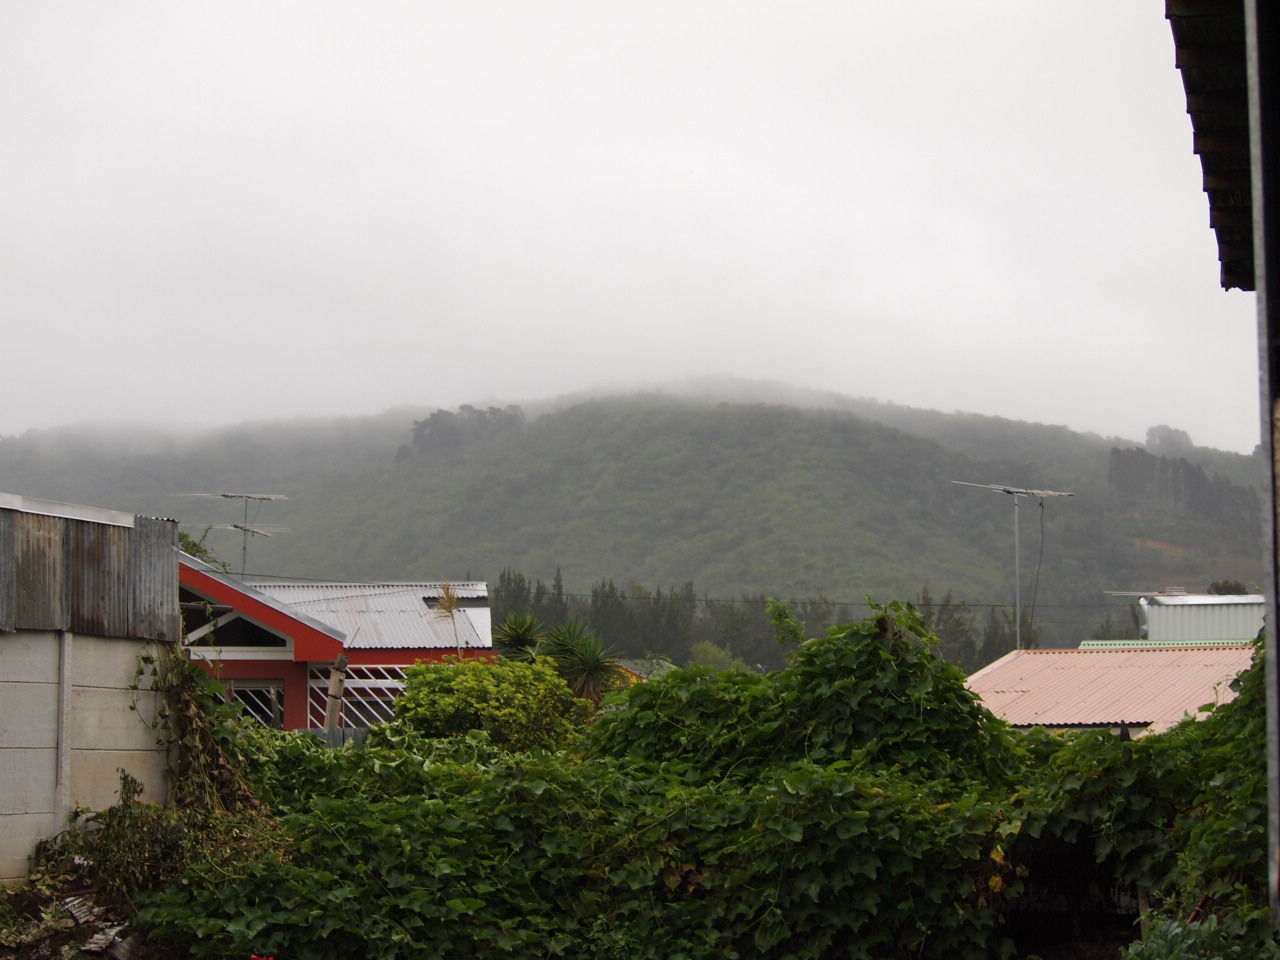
x=256 y=592
x=1155 y=686
x=1204 y=600
x=1140 y=642
x=387 y=615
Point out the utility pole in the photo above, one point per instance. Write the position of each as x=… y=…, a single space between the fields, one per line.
x=1017 y=493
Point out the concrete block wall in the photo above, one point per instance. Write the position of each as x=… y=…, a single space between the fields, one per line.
x=66 y=730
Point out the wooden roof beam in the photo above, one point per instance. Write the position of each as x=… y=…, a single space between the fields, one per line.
x=1229 y=56
x=1203 y=8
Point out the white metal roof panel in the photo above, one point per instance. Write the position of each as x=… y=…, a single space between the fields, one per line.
x=256 y=592
x=385 y=615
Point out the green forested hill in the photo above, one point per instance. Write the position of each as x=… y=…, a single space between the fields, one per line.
x=736 y=498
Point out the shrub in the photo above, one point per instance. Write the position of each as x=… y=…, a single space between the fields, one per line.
x=876 y=691
x=521 y=706
x=1169 y=939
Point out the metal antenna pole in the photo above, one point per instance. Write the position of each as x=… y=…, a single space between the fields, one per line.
x=244 y=537
x=1017 y=580
x=243 y=527
x=1016 y=492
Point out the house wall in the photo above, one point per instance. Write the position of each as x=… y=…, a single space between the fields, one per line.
x=70 y=720
x=1218 y=622
x=292 y=676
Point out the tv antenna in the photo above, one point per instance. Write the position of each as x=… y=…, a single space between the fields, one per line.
x=1017 y=493
x=245 y=528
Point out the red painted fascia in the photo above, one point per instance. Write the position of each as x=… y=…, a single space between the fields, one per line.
x=308 y=642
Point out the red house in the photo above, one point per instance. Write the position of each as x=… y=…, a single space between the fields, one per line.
x=276 y=643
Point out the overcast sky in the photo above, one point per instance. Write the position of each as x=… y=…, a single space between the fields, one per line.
x=216 y=211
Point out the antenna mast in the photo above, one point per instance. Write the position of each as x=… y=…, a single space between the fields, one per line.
x=1016 y=493
x=244 y=528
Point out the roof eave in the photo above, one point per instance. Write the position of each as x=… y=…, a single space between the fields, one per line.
x=1211 y=57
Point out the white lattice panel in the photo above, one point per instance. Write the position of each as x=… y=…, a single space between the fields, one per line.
x=366 y=698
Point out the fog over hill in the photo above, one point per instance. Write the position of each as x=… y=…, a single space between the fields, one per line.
x=735 y=487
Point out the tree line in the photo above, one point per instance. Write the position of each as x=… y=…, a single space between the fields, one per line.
x=687 y=628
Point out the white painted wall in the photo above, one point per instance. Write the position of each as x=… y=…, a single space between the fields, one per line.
x=1208 y=618
x=66 y=731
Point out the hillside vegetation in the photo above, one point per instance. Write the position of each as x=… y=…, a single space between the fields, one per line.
x=714 y=499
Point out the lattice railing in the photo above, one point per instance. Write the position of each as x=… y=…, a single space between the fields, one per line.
x=261 y=700
x=367 y=696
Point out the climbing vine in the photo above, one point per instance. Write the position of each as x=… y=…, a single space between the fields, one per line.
x=858 y=803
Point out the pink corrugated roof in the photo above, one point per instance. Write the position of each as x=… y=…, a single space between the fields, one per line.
x=1152 y=685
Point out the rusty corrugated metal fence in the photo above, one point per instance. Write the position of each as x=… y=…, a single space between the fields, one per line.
x=97 y=572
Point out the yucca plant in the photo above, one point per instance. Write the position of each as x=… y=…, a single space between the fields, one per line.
x=588 y=667
x=518 y=636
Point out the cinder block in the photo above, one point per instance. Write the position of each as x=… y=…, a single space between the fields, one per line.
x=109 y=662
x=95 y=776
x=19 y=834
x=101 y=719
x=28 y=781
x=28 y=714
x=29 y=657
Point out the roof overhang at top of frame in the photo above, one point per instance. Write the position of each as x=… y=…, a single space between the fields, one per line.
x=1210 y=54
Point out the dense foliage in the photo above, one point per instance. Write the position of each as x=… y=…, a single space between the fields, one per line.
x=835 y=845
x=520 y=705
x=858 y=803
x=580 y=657
x=874 y=692
x=489 y=854
x=1180 y=816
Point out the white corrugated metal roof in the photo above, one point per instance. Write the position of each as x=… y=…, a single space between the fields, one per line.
x=387 y=615
x=255 y=591
x=1155 y=686
x=1203 y=599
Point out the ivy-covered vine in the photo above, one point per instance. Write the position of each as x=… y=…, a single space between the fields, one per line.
x=858 y=804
